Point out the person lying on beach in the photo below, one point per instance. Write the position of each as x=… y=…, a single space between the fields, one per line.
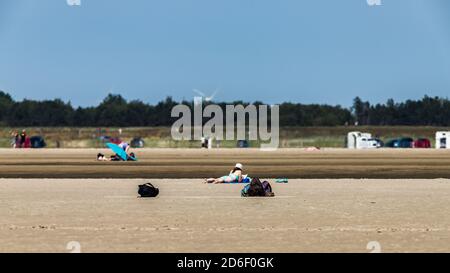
x=102 y=157
x=234 y=176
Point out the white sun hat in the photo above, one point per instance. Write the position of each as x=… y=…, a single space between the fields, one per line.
x=239 y=166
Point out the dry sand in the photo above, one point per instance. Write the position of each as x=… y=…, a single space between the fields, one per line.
x=307 y=215
x=104 y=215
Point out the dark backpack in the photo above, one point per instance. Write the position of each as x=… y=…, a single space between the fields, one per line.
x=148 y=190
x=268 y=189
x=257 y=188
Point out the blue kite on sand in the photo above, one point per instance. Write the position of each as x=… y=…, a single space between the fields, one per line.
x=120 y=152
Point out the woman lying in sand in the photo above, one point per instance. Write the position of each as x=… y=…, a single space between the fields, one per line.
x=234 y=176
x=102 y=157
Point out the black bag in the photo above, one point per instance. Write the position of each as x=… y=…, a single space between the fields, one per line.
x=257 y=188
x=148 y=190
x=268 y=189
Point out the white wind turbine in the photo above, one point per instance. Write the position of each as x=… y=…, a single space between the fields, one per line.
x=206 y=98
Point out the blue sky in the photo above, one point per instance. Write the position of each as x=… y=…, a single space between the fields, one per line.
x=308 y=51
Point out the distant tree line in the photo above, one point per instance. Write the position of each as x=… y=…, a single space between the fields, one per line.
x=429 y=111
x=114 y=110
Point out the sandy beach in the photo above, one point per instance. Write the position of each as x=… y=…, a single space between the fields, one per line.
x=197 y=163
x=307 y=215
